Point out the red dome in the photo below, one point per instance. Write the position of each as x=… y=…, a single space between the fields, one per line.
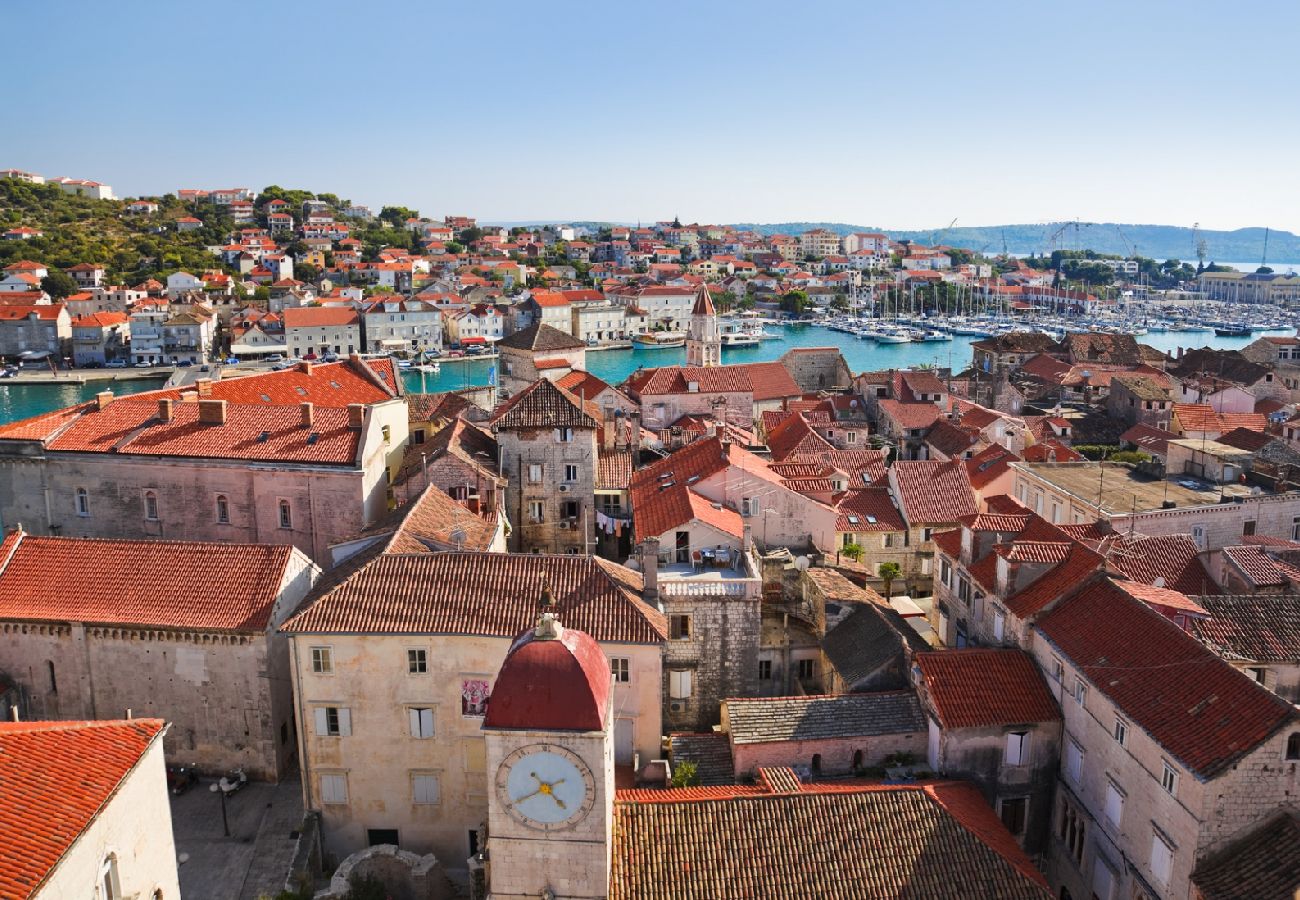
x=559 y=684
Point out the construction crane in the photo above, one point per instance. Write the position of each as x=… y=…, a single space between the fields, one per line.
x=1005 y=254
x=1263 y=263
x=1130 y=249
x=1065 y=226
x=934 y=238
x=1199 y=245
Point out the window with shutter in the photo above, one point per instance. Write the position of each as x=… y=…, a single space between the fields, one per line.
x=334 y=788
x=421 y=720
x=679 y=685
x=1017 y=749
x=1074 y=761
x=1114 y=804
x=424 y=789
x=1162 y=858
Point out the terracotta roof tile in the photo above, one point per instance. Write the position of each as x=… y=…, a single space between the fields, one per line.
x=495 y=594
x=867 y=510
x=544 y=405
x=909 y=416
x=541 y=338
x=1201 y=710
x=979 y=688
x=1263 y=864
x=165 y=584
x=795 y=436
x=990 y=463
x=1258 y=566
x=760 y=720
x=55 y=778
x=820 y=840
x=1052 y=585
x=434 y=521
x=1256 y=628
x=614 y=470
x=1172 y=559
x=931 y=492
x=319 y=316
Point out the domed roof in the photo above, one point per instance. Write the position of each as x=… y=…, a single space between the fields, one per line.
x=553 y=679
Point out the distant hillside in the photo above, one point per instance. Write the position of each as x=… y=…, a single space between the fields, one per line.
x=1156 y=241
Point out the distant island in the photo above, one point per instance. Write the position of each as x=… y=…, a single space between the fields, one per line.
x=1154 y=241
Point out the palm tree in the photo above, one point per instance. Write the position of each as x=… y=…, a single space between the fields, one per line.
x=888 y=572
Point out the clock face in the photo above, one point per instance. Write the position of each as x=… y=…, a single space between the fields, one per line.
x=545 y=786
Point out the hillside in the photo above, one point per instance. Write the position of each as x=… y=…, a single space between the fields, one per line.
x=1156 y=241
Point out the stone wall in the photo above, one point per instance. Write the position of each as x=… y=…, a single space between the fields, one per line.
x=817 y=368
x=522 y=448
x=721 y=654
x=836 y=755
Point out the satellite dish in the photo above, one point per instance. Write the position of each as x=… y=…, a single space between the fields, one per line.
x=458 y=536
x=1159 y=582
x=802 y=564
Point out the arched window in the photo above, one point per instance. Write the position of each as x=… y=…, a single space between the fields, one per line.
x=109 y=884
x=286 y=514
x=223 y=509
x=150 y=505
x=83 y=502
x=1293 y=746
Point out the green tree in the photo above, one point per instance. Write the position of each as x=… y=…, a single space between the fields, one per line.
x=470 y=235
x=397 y=215
x=686 y=774
x=853 y=551
x=840 y=303
x=795 y=302
x=58 y=284
x=888 y=572
x=262 y=295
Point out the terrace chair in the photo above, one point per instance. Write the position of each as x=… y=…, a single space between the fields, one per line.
x=697 y=559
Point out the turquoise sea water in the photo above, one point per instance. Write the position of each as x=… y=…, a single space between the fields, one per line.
x=18 y=401
x=861 y=355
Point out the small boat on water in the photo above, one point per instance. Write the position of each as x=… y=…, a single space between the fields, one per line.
x=429 y=368
x=739 y=334
x=893 y=336
x=1232 y=329
x=658 y=340
x=930 y=335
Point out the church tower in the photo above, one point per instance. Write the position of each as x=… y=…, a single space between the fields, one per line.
x=550 y=757
x=703 y=339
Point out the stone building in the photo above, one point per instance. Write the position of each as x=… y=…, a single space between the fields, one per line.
x=549 y=443
x=1140 y=400
x=160 y=628
x=817 y=368
x=538 y=352
x=1168 y=753
x=85 y=812
x=293 y=457
x=993 y=722
x=823 y=735
x=1258 y=634
x=395 y=664
x=461 y=459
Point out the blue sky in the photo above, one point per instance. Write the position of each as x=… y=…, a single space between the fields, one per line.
x=889 y=114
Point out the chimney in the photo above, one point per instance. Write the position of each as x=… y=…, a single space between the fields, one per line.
x=205 y=387
x=747 y=539
x=356 y=415
x=212 y=412
x=102 y=399
x=165 y=412
x=307 y=366
x=547 y=598
x=308 y=414
x=609 y=433
x=650 y=570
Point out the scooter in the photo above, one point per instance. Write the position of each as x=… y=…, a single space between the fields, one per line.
x=181 y=778
x=233 y=781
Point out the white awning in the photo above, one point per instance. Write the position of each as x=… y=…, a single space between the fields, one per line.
x=394 y=342
x=904 y=606
x=254 y=349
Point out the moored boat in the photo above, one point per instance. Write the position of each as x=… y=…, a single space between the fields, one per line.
x=658 y=340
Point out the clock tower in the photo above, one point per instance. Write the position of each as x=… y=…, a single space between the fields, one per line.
x=550 y=758
x=703 y=339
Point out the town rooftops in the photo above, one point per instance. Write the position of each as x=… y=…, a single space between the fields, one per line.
x=1122 y=489
x=541 y=338
x=491 y=594
x=1262 y=863
x=433 y=521
x=986 y=688
x=319 y=316
x=1170 y=561
x=159 y=584
x=543 y=404
x=1251 y=628
x=932 y=491
x=1199 y=709
x=55 y=778
x=762 y=720
x=741 y=841
x=1149 y=438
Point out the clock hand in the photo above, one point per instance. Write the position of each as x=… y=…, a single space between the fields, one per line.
x=558 y=800
x=528 y=796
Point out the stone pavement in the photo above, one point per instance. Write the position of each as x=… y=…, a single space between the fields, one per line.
x=254 y=860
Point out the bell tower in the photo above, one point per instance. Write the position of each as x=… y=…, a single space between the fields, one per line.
x=703 y=339
x=550 y=759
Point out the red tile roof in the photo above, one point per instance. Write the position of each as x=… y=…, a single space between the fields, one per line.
x=770 y=381
x=582 y=384
x=931 y=492
x=494 y=594
x=979 y=688
x=1148 y=438
x=908 y=416
x=319 y=316
x=1199 y=709
x=55 y=778
x=1052 y=585
x=873 y=510
x=166 y=584
x=677 y=380
x=986 y=466
x=795 y=436
x=543 y=404
x=1172 y=560
x=1051 y=450
x=814 y=841
x=1259 y=567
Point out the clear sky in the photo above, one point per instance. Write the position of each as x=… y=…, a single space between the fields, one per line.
x=893 y=114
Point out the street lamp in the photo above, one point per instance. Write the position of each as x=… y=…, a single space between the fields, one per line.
x=225 y=823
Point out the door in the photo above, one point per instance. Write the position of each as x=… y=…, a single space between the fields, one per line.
x=624 y=743
x=683 y=547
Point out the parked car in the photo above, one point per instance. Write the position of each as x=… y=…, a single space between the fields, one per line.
x=115 y=364
x=184 y=364
x=232 y=360
x=275 y=358
x=205 y=368
x=143 y=365
x=328 y=357
x=476 y=350
x=455 y=354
